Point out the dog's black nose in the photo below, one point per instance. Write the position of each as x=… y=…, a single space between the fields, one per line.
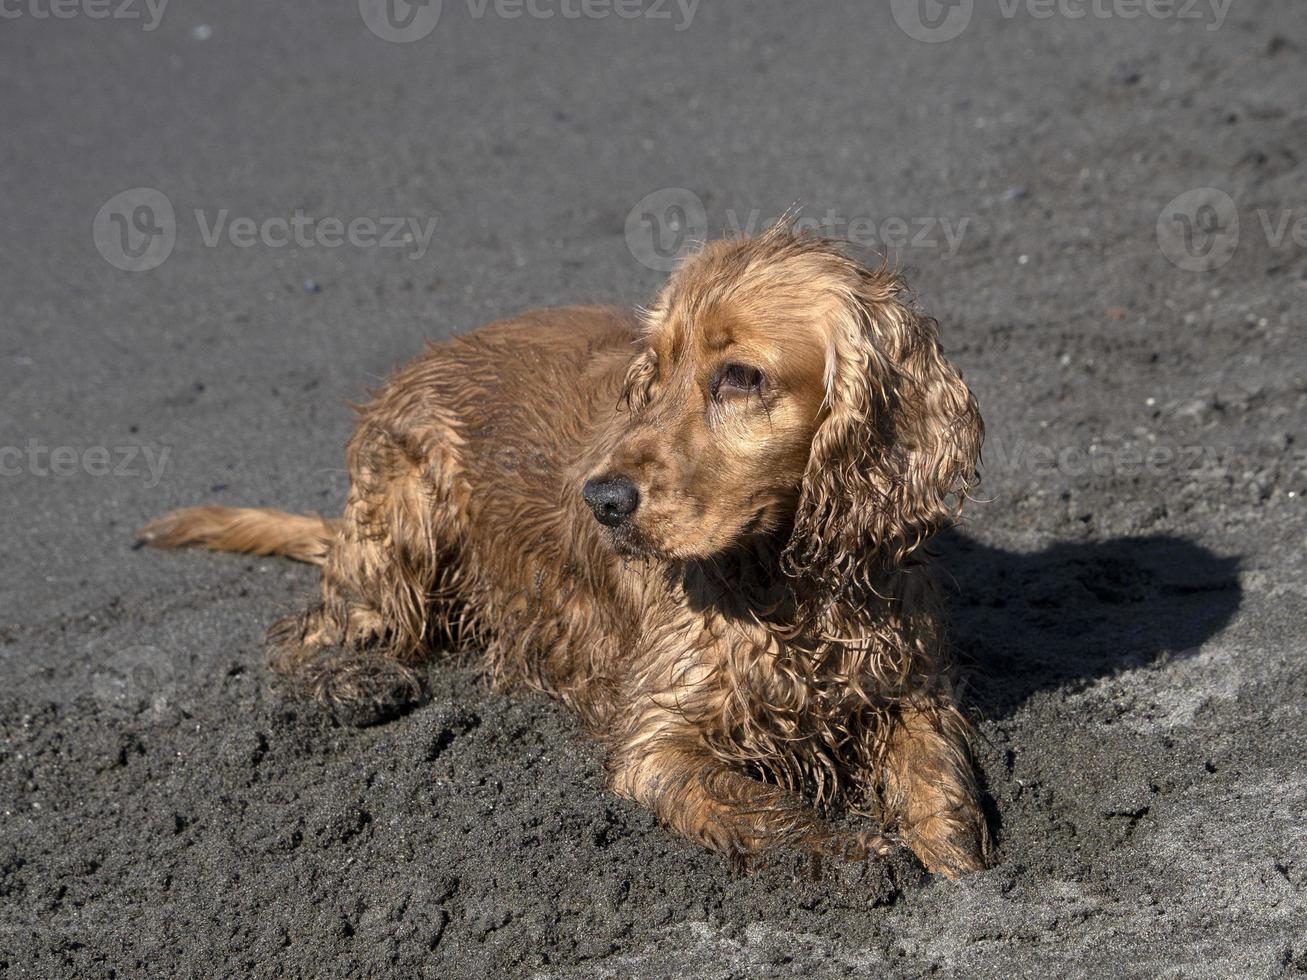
x=613 y=499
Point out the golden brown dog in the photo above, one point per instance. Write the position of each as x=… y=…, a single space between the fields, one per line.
x=700 y=526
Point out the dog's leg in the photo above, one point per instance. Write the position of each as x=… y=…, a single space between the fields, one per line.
x=359 y=645
x=672 y=772
x=928 y=788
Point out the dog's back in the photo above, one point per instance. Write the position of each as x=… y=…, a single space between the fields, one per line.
x=487 y=438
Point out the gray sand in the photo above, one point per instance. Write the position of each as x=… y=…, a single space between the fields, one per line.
x=1132 y=622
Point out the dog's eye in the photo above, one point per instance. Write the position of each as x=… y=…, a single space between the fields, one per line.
x=736 y=380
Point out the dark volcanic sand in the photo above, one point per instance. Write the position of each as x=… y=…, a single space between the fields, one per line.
x=1134 y=633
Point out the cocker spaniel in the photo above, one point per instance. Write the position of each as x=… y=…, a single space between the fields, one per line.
x=700 y=526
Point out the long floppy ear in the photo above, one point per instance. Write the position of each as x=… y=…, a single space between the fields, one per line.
x=896 y=453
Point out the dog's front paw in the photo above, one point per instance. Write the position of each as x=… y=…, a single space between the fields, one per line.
x=359 y=687
x=364 y=689
x=951 y=844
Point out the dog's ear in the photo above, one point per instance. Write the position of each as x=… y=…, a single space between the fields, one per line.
x=897 y=450
x=640 y=375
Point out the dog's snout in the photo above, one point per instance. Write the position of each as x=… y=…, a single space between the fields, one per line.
x=613 y=499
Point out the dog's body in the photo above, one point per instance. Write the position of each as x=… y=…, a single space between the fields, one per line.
x=621 y=516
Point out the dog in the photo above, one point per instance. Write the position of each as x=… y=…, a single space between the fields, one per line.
x=700 y=525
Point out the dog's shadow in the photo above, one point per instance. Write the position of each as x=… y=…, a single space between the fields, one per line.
x=1074 y=612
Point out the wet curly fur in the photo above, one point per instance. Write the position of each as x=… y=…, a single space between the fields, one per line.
x=754 y=639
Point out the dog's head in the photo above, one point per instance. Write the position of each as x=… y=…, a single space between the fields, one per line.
x=782 y=386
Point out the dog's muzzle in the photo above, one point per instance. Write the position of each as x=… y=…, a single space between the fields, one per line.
x=613 y=499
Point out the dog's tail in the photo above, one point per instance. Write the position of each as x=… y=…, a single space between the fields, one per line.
x=250 y=530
